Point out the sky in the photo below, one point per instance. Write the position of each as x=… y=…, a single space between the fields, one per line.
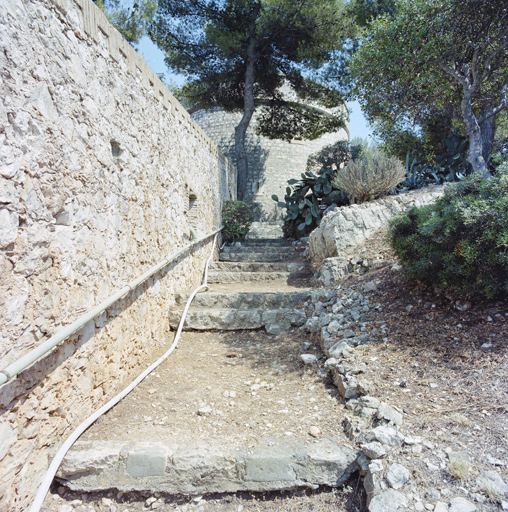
x=358 y=126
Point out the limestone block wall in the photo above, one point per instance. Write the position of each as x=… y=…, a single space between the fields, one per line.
x=271 y=162
x=100 y=170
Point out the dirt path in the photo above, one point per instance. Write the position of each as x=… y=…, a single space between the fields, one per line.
x=446 y=369
x=236 y=386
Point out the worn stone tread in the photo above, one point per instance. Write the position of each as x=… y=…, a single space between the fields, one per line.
x=260 y=254
x=254 y=266
x=236 y=319
x=261 y=242
x=239 y=300
x=239 y=277
x=283 y=249
x=206 y=466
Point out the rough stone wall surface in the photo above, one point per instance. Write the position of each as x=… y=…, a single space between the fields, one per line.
x=271 y=162
x=97 y=164
x=342 y=229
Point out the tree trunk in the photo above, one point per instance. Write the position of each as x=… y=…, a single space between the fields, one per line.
x=242 y=165
x=488 y=130
x=474 y=135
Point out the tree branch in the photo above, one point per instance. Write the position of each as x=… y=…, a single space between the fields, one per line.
x=476 y=79
x=457 y=76
x=494 y=54
x=501 y=105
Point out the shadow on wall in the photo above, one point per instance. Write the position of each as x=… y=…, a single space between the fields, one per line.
x=256 y=156
x=18 y=388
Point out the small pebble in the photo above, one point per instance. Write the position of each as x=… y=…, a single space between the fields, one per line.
x=314 y=431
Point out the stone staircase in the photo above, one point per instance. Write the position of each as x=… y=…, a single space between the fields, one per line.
x=271 y=230
x=278 y=286
x=260 y=283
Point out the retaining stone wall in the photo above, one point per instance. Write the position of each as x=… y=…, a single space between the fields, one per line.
x=97 y=163
x=343 y=229
x=271 y=162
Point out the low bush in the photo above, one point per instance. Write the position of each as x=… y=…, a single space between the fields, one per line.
x=237 y=218
x=459 y=243
x=369 y=177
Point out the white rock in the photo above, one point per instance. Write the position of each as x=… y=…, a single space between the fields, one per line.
x=8 y=436
x=461 y=505
x=341 y=349
x=397 y=476
x=387 y=435
x=370 y=287
x=308 y=359
x=373 y=450
x=314 y=431
x=388 y=501
x=491 y=481
x=375 y=466
x=9 y=222
x=388 y=413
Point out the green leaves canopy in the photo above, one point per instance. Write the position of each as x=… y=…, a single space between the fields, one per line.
x=436 y=53
x=208 y=41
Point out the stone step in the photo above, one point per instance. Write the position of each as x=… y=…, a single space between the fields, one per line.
x=263 y=242
x=265 y=230
x=275 y=321
x=278 y=266
x=267 y=249
x=206 y=466
x=243 y=277
x=260 y=254
x=245 y=301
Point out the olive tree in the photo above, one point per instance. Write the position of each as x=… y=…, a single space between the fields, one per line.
x=438 y=53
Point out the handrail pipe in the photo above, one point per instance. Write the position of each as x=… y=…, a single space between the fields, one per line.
x=20 y=364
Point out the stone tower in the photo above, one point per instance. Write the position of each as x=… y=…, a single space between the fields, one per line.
x=271 y=162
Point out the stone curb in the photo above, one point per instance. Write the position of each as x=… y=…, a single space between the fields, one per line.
x=206 y=467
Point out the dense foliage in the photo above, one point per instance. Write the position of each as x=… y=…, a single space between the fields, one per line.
x=460 y=243
x=448 y=55
x=369 y=177
x=237 y=218
x=235 y=52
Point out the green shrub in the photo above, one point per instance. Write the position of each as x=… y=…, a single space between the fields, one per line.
x=237 y=218
x=459 y=243
x=369 y=177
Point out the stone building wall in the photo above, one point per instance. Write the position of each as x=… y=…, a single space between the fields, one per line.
x=271 y=162
x=102 y=172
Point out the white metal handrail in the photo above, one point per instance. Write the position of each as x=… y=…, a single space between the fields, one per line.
x=20 y=364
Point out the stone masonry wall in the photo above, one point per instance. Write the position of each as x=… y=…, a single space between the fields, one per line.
x=97 y=164
x=271 y=162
